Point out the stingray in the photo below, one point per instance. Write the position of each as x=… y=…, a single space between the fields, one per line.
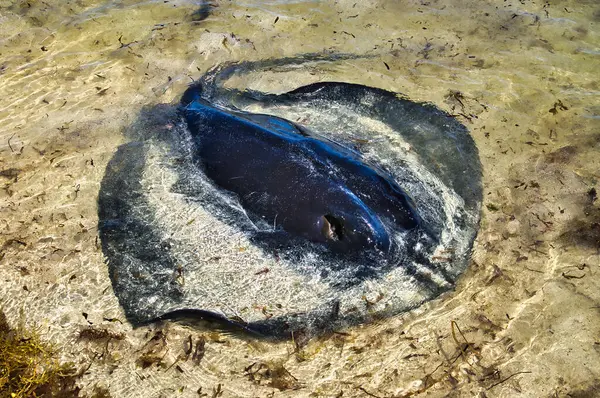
x=300 y=212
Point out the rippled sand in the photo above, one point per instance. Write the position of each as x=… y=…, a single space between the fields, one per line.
x=524 y=321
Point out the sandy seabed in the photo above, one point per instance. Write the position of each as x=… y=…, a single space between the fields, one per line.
x=523 y=321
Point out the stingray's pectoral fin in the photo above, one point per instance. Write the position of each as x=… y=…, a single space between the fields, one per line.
x=277 y=239
x=111 y=225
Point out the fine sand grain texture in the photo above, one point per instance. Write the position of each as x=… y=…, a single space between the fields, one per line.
x=524 y=319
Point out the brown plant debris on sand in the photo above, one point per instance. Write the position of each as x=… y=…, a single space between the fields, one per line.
x=29 y=368
x=272 y=374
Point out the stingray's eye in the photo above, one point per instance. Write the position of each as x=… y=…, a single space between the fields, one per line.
x=333 y=227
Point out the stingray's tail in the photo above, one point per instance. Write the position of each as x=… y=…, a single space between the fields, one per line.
x=211 y=84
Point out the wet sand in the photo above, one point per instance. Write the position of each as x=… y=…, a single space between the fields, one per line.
x=524 y=319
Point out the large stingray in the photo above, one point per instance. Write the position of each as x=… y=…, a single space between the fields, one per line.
x=307 y=211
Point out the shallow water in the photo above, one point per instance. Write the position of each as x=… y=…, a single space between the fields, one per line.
x=523 y=320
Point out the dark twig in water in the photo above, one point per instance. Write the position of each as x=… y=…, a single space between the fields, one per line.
x=466 y=346
x=368 y=393
x=567 y=275
x=200 y=350
x=534 y=270
x=217 y=392
x=10 y=146
x=455 y=325
x=125 y=44
x=505 y=379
